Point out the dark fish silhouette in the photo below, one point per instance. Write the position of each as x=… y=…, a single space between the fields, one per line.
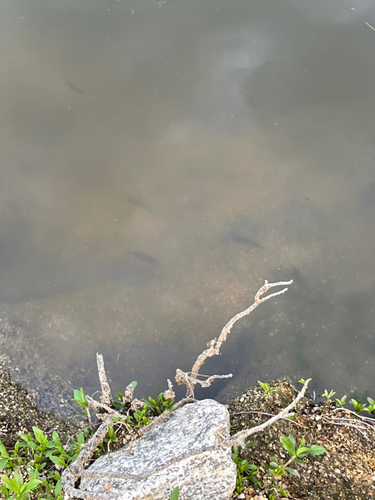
x=243 y=240
x=244 y=231
x=136 y=202
x=144 y=257
x=74 y=88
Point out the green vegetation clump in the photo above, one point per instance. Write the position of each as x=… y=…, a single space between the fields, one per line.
x=32 y=468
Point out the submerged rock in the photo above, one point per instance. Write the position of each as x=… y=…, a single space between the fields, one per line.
x=175 y=449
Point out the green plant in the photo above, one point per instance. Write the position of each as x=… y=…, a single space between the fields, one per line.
x=18 y=487
x=161 y=404
x=80 y=398
x=175 y=494
x=40 y=456
x=342 y=401
x=244 y=469
x=328 y=395
x=277 y=469
x=141 y=417
x=267 y=389
x=278 y=491
x=371 y=408
x=289 y=444
x=358 y=405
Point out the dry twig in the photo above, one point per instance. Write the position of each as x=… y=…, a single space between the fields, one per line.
x=215 y=344
x=106 y=397
x=287 y=417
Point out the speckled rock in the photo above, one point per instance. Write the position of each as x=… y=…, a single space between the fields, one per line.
x=188 y=431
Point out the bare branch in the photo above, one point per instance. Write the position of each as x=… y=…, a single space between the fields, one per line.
x=183 y=376
x=361 y=417
x=98 y=407
x=129 y=394
x=74 y=472
x=239 y=438
x=106 y=397
x=169 y=393
x=287 y=417
x=215 y=344
x=345 y=424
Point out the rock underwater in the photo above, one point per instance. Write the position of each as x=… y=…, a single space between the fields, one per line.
x=187 y=431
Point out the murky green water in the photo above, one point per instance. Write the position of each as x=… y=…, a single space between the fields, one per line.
x=159 y=160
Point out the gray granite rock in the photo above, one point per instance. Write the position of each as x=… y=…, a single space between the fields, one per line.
x=201 y=476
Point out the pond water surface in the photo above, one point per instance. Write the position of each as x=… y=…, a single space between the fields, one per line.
x=159 y=161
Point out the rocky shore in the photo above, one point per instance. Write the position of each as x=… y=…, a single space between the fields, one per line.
x=345 y=471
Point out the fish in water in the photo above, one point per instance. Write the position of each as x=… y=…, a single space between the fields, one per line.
x=244 y=231
x=243 y=240
x=144 y=257
x=74 y=88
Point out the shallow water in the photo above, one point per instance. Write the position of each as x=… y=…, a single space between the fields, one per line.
x=159 y=161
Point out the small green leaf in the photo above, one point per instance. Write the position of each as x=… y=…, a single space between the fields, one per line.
x=11 y=484
x=293 y=472
x=175 y=493
x=134 y=383
x=19 y=480
x=288 y=444
x=315 y=450
x=302 y=451
x=32 y=485
x=250 y=443
x=38 y=435
x=57 y=442
x=3 y=451
x=264 y=386
x=3 y=463
x=58 y=487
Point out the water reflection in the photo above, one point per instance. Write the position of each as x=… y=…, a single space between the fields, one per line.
x=159 y=161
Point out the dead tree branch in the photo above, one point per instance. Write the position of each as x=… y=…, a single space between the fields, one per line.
x=239 y=438
x=215 y=344
x=106 y=397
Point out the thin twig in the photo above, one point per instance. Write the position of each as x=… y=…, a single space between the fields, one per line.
x=215 y=344
x=357 y=427
x=97 y=407
x=366 y=419
x=239 y=438
x=270 y=415
x=128 y=394
x=370 y=26
x=72 y=473
x=204 y=383
x=352 y=419
x=106 y=397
